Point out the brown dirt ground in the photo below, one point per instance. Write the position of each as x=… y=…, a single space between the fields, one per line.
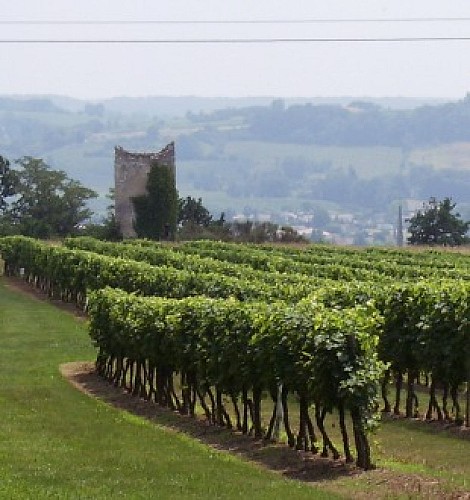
x=323 y=472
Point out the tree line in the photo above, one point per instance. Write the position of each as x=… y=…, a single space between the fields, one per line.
x=357 y=124
x=38 y=201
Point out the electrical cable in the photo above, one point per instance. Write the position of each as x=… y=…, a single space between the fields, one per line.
x=235 y=40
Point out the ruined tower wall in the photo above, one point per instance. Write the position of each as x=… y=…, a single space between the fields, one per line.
x=130 y=178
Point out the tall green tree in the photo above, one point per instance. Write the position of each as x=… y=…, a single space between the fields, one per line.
x=47 y=203
x=437 y=225
x=156 y=213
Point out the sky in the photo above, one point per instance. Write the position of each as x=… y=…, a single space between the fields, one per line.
x=281 y=69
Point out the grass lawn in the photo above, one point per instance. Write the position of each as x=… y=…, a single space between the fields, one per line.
x=56 y=442
x=414 y=447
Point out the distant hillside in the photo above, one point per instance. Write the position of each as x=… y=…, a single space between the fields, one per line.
x=180 y=105
x=256 y=154
x=35 y=105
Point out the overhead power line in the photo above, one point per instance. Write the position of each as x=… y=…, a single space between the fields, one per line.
x=233 y=40
x=234 y=21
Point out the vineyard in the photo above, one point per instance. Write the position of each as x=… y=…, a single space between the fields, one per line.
x=224 y=331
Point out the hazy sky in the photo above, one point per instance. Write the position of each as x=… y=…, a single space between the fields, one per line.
x=420 y=69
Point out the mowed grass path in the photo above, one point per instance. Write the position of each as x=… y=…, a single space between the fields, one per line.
x=56 y=442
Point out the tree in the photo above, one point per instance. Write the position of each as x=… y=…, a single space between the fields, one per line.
x=437 y=225
x=192 y=211
x=156 y=212
x=47 y=203
x=108 y=229
x=6 y=182
x=195 y=221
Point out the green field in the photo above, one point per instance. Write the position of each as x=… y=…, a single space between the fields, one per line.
x=367 y=161
x=455 y=155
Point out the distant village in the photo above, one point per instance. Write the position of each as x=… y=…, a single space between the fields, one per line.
x=343 y=228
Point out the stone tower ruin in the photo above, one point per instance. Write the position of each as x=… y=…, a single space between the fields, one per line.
x=131 y=170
